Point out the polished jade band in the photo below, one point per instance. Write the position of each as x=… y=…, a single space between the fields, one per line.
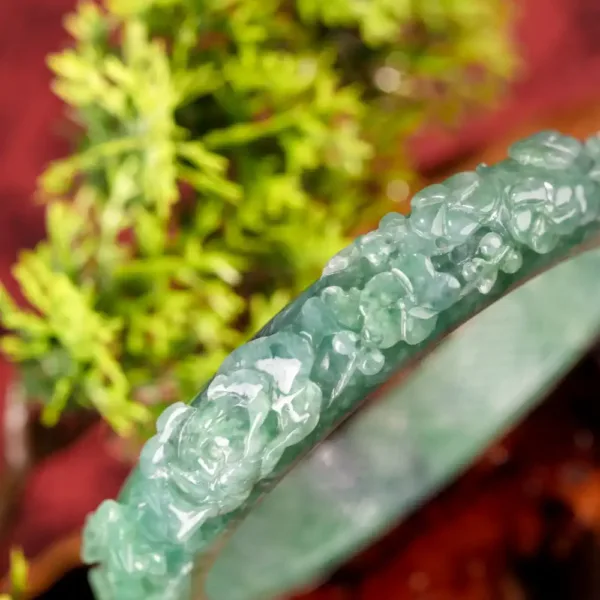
x=380 y=302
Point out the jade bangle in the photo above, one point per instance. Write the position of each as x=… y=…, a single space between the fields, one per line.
x=381 y=303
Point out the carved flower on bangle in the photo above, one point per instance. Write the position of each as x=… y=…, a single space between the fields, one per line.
x=342 y=260
x=219 y=462
x=109 y=538
x=375 y=247
x=367 y=358
x=540 y=212
x=447 y=214
x=403 y=304
x=213 y=458
x=547 y=150
x=105 y=524
x=493 y=254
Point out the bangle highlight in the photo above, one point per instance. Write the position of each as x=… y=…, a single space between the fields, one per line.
x=380 y=302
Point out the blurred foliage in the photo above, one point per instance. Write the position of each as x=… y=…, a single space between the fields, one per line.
x=19 y=570
x=228 y=148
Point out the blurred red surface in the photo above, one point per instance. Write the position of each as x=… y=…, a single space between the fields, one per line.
x=561 y=44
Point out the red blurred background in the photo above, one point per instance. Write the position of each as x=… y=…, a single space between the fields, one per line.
x=559 y=84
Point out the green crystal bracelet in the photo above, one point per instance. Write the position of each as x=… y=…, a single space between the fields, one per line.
x=379 y=305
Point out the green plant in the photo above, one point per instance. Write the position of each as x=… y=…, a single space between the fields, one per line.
x=17 y=576
x=228 y=148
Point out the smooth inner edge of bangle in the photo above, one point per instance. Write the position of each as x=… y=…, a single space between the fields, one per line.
x=402 y=448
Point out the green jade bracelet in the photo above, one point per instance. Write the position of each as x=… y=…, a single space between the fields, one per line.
x=379 y=305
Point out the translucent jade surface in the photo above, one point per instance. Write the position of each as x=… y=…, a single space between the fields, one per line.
x=379 y=303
